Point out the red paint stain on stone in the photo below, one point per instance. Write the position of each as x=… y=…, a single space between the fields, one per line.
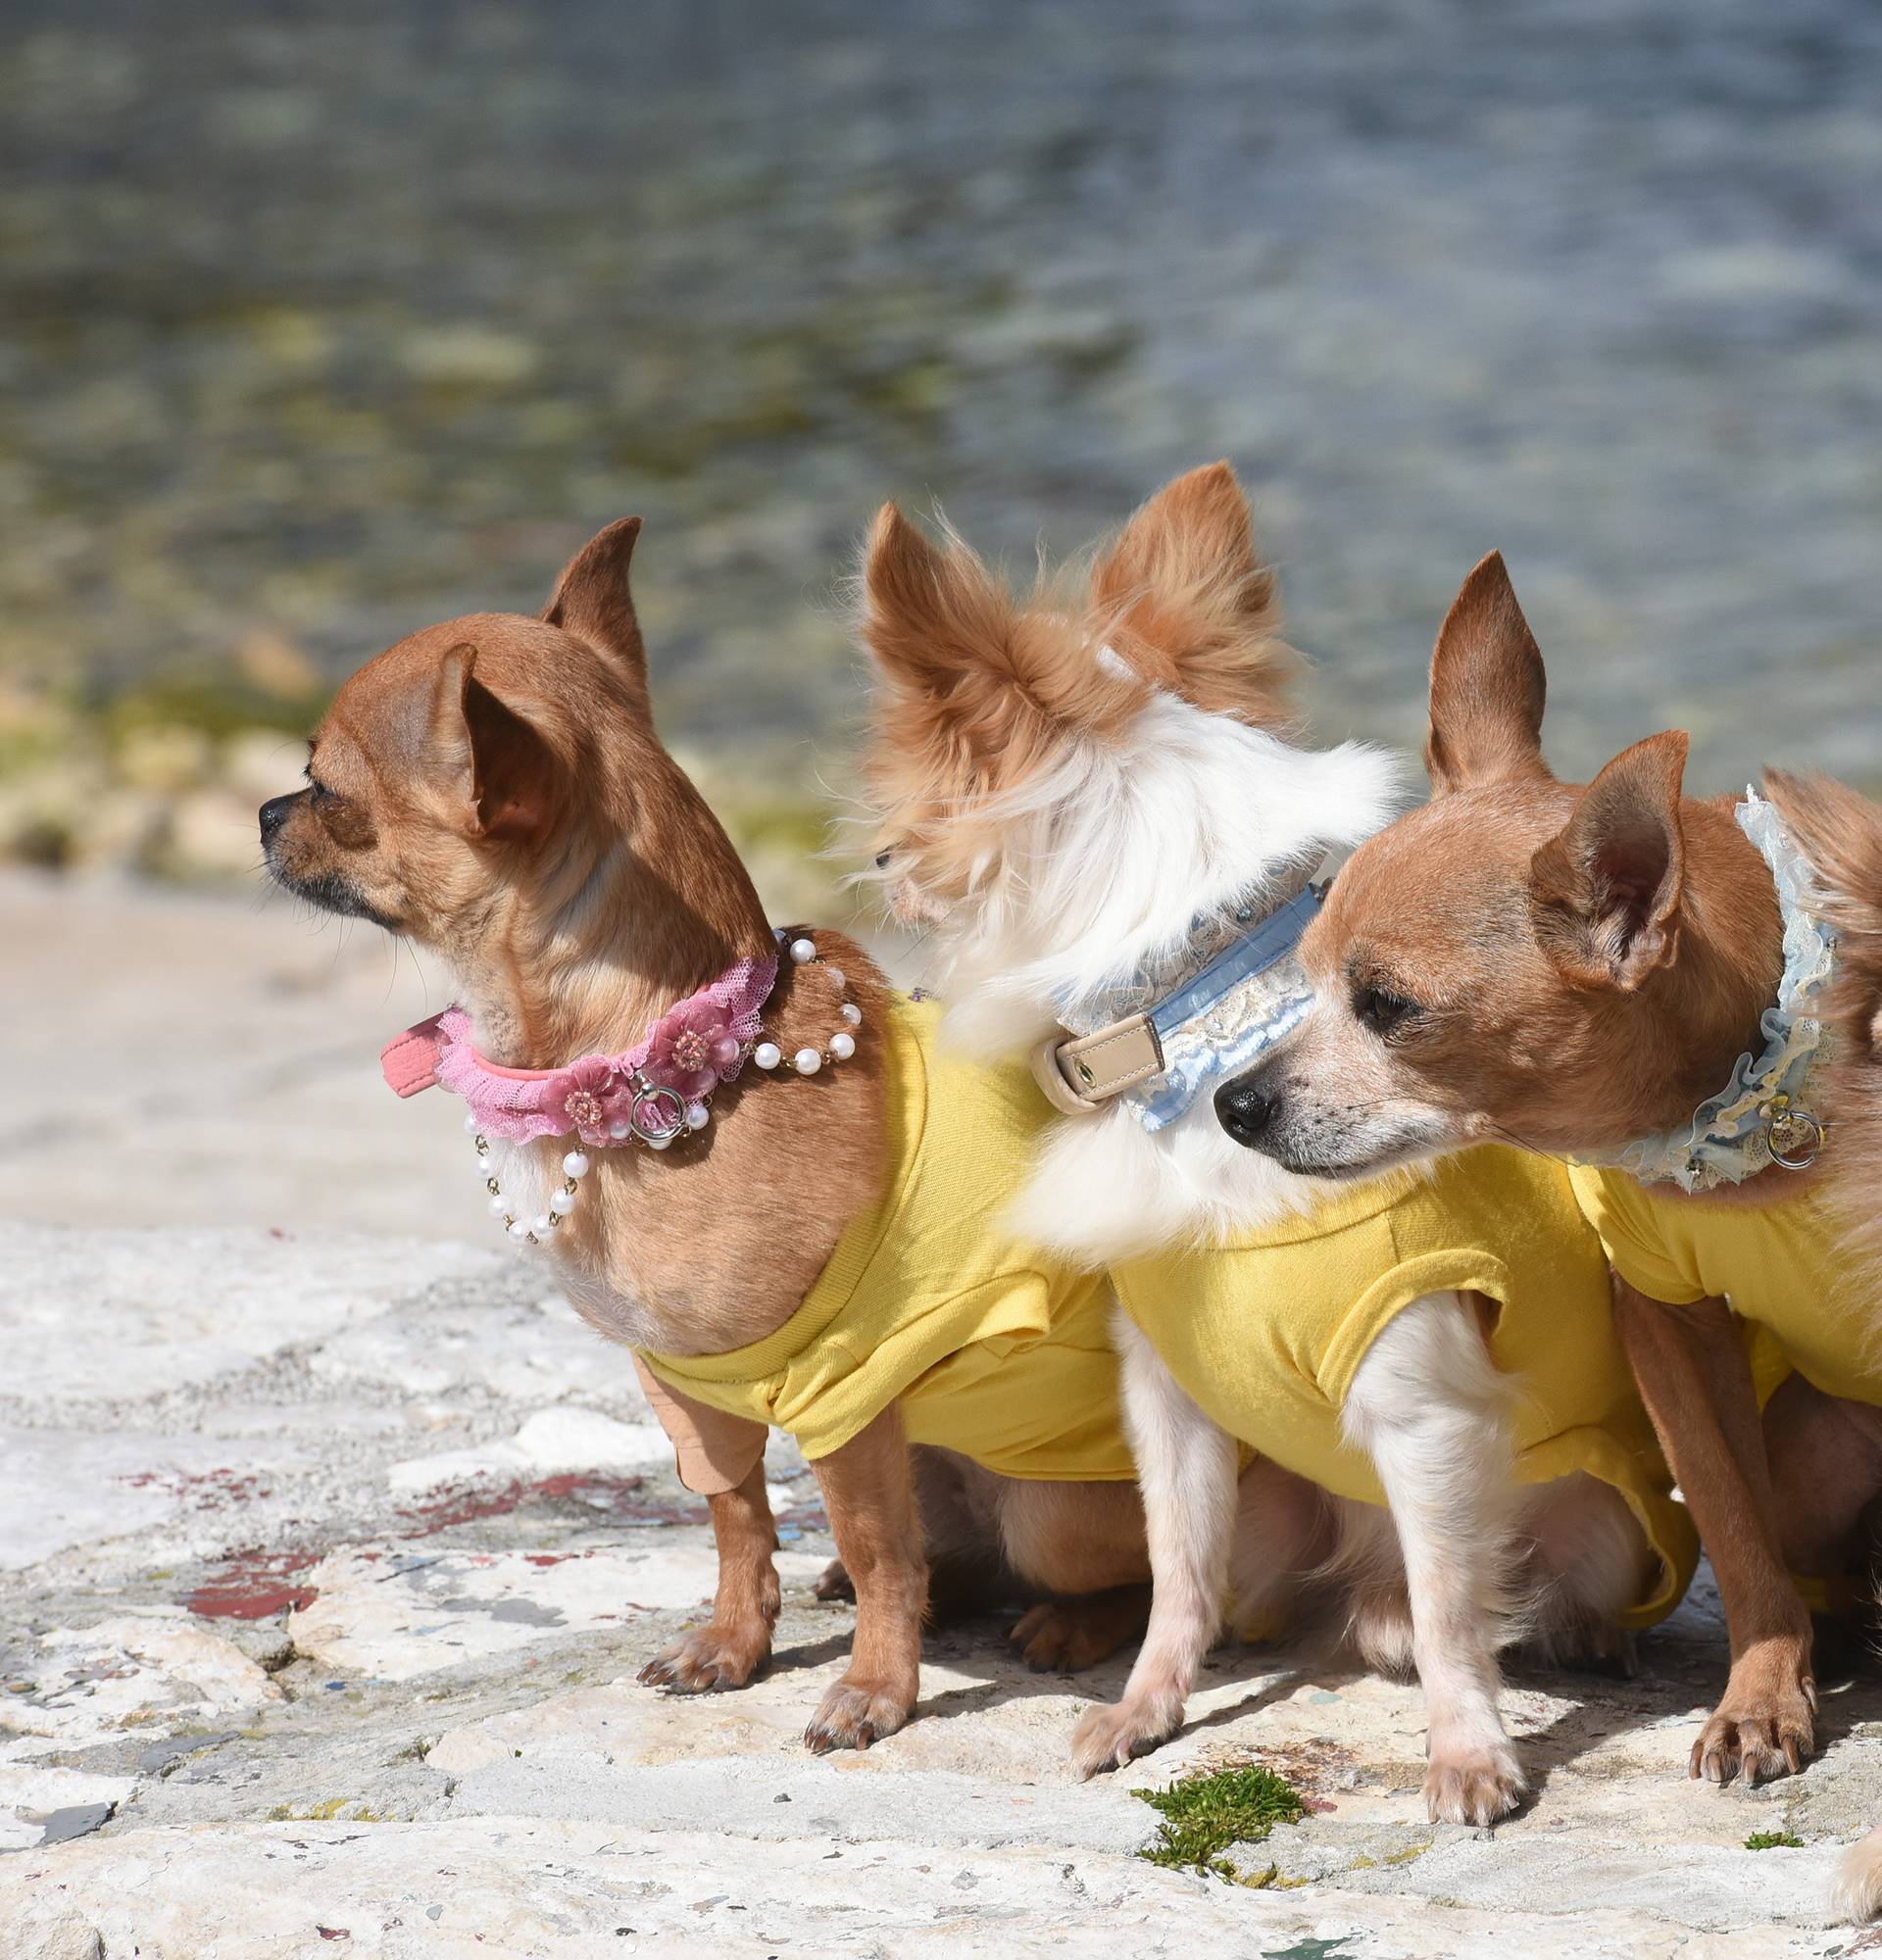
x=255 y=1586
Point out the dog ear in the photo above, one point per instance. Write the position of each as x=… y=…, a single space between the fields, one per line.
x=929 y=615
x=505 y=777
x=1606 y=890
x=1487 y=687
x=592 y=600
x=1184 y=588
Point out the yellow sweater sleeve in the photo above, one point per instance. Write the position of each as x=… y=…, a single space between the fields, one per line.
x=1613 y=1203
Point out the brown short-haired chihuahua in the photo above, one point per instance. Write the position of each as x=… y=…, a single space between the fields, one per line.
x=494 y=788
x=1578 y=968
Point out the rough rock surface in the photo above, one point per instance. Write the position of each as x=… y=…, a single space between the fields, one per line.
x=327 y=1567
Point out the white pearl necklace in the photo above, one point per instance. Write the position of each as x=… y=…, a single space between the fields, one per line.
x=763 y=1051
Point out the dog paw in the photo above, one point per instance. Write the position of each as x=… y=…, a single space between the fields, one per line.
x=1056 y=1639
x=1063 y=1636
x=834 y=1582
x=1474 y=1787
x=708 y=1657
x=855 y=1714
x=1111 y=1736
x=1770 y=1741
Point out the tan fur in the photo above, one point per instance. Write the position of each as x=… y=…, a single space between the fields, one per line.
x=1572 y=967
x=493 y=787
x=983 y=685
x=1841 y=833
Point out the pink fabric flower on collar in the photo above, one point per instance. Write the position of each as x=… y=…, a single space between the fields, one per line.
x=591 y=1093
x=691 y=1049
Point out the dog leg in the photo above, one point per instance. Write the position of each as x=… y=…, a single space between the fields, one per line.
x=1586 y=1558
x=1066 y=1635
x=1186 y=1467
x=721 y=1459
x=736 y=1641
x=869 y=1490
x=1825 y=1458
x=1432 y=1410
x=1697 y=1383
x=1084 y=1544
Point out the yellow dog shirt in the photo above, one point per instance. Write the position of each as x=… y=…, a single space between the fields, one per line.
x=993 y=1349
x=1266 y=1332
x=1775 y=1264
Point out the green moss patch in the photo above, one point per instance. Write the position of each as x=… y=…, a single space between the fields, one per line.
x=1774 y=1841
x=1209 y=1810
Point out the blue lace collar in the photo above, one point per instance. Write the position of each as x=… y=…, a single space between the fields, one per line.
x=1216 y=1002
x=1765 y=1114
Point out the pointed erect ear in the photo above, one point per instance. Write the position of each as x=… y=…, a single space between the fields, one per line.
x=1487 y=687
x=929 y=615
x=1606 y=891
x=592 y=600
x=1198 y=526
x=1191 y=603
x=503 y=773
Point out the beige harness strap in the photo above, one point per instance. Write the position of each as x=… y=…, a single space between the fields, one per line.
x=1081 y=1074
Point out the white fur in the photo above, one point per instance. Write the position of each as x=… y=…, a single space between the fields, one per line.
x=1858 y=1894
x=1106 y=859
x=1108 y=855
x=1186 y=1471
x=1432 y=1411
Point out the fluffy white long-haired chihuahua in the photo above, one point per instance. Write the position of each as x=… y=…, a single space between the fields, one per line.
x=1102 y=780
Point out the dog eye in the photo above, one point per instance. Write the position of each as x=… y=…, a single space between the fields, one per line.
x=882 y=860
x=1384 y=1012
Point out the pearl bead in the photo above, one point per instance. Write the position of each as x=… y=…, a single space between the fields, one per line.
x=561 y=1203
x=767 y=1054
x=620 y=1130
x=842 y=1047
x=518 y=1229
x=482 y=1160
x=659 y=1143
x=853 y=1014
x=576 y=1164
x=543 y=1226
x=807 y=1061
x=837 y=979
x=469 y=1126
x=499 y=1205
x=803 y=951
x=697 y=1116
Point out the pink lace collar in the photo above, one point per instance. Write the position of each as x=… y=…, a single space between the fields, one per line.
x=645 y=1093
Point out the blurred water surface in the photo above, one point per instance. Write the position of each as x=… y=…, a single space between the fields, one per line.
x=323 y=320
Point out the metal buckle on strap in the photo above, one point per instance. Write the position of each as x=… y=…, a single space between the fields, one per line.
x=1080 y=1073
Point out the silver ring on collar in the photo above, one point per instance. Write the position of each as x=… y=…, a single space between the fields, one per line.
x=654 y=1099
x=1795 y=1138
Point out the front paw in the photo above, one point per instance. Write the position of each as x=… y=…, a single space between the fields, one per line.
x=1763 y=1727
x=1480 y=1785
x=710 y=1656
x=856 y=1713
x=1110 y=1737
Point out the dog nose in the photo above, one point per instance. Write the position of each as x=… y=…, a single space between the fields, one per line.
x=275 y=812
x=1243 y=1111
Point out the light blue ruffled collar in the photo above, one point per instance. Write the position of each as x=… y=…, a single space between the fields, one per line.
x=1218 y=1001
x=1765 y=1114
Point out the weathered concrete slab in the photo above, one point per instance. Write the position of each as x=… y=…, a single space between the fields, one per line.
x=324 y=1593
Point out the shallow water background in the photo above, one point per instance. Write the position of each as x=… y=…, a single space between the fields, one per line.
x=321 y=321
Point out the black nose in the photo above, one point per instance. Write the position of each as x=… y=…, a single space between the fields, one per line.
x=1243 y=1110
x=275 y=812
